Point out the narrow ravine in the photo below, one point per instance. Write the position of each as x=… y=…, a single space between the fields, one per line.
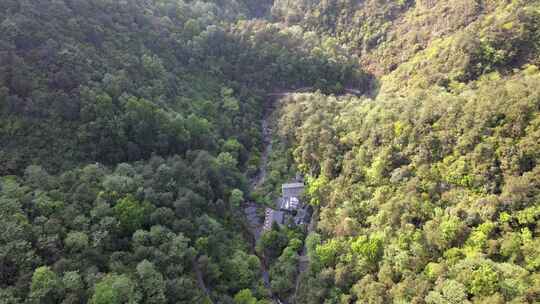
x=255 y=225
x=266 y=141
x=250 y=209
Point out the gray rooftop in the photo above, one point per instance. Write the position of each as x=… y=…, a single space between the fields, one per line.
x=292 y=190
x=293 y=185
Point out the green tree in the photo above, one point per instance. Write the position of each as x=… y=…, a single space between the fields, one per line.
x=7 y=296
x=151 y=283
x=370 y=249
x=234 y=147
x=114 y=289
x=75 y=291
x=272 y=243
x=236 y=198
x=448 y=292
x=230 y=104
x=484 y=281
x=241 y=270
x=130 y=213
x=328 y=252
x=245 y=296
x=368 y=290
x=227 y=161
x=444 y=232
x=283 y=272
x=76 y=241
x=46 y=286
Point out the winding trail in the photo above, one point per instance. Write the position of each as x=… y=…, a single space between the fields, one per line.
x=266 y=140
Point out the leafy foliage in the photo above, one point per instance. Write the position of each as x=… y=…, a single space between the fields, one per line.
x=426 y=197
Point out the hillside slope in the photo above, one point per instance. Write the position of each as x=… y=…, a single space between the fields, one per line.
x=422 y=198
x=428 y=192
x=112 y=82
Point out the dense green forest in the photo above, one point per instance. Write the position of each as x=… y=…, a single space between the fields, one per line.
x=428 y=192
x=130 y=134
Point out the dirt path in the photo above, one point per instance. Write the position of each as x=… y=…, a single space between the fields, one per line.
x=200 y=280
x=266 y=141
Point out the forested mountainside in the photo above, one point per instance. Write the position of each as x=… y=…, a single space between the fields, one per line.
x=116 y=81
x=429 y=198
x=130 y=131
x=429 y=192
x=424 y=42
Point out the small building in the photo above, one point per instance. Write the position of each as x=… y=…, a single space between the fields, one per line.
x=290 y=208
x=290 y=198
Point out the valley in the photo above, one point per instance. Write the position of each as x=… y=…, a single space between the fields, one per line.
x=263 y=152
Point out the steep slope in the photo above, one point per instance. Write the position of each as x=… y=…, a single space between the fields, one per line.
x=423 y=198
x=428 y=192
x=479 y=36
x=110 y=82
x=130 y=129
